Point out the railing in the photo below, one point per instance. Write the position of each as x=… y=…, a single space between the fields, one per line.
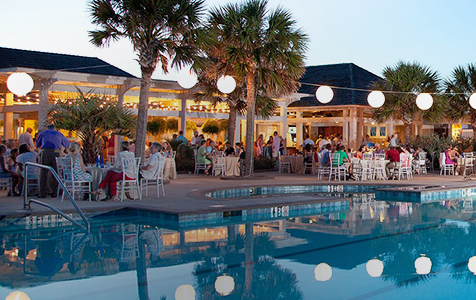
x=27 y=203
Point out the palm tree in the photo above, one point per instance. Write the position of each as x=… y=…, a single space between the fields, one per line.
x=158 y=29
x=91 y=118
x=460 y=86
x=404 y=81
x=261 y=48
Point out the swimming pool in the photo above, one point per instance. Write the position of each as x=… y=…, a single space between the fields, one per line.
x=319 y=256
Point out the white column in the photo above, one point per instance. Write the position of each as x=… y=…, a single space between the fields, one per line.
x=44 y=104
x=183 y=114
x=8 y=117
x=237 y=131
x=390 y=127
x=284 y=118
x=299 y=131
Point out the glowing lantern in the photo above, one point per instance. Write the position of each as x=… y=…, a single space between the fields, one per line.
x=424 y=101
x=226 y=84
x=17 y=296
x=324 y=94
x=185 y=292
x=423 y=265
x=323 y=272
x=20 y=83
x=187 y=79
x=472 y=100
x=224 y=285
x=376 y=99
x=472 y=264
x=374 y=267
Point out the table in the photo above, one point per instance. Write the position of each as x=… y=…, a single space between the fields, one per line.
x=170 y=170
x=296 y=163
x=232 y=167
x=98 y=175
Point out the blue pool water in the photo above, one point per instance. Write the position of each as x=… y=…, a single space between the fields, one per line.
x=275 y=256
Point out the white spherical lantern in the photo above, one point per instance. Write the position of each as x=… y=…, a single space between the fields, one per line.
x=323 y=272
x=226 y=84
x=374 y=267
x=187 y=79
x=185 y=292
x=472 y=100
x=20 y=83
x=472 y=264
x=376 y=99
x=224 y=285
x=424 y=101
x=17 y=296
x=423 y=265
x=324 y=94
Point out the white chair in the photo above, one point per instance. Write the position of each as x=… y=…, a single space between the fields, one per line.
x=65 y=172
x=283 y=165
x=337 y=170
x=6 y=183
x=219 y=167
x=356 y=168
x=198 y=166
x=379 y=156
x=322 y=169
x=130 y=167
x=157 y=180
x=403 y=167
x=468 y=164
x=379 y=171
x=367 y=156
x=444 y=167
x=367 y=169
x=219 y=153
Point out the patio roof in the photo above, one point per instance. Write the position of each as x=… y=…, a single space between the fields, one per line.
x=347 y=75
x=16 y=58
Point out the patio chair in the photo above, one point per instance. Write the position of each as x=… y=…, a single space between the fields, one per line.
x=65 y=172
x=468 y=164
x=379 y=170
x=403 y=167
x=322 y=169
x=283 y=165
x=198 y=166
x=336 y=170
x=220 y=153
x=219 y=166
x=157 y=180
x=130 y=167
x=356 y=168
x=310 y=166
x=444 y=167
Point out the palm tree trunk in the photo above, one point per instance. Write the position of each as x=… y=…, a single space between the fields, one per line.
x=232 y=123
x=250 y=121
x=407 y=127
x=141 y=130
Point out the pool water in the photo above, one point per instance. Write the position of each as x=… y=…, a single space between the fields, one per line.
x=321 y=256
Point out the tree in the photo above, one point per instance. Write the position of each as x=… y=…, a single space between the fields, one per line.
x=158 y=29
x=91 y=118
x=261 y=48
x=460 y=86
x=404 y=81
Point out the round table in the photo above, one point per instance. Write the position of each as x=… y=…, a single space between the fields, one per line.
x=296 y=163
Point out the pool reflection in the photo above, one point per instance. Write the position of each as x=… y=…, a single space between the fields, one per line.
x=261 y=260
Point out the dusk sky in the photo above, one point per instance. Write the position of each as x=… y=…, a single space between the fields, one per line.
x=369 y=33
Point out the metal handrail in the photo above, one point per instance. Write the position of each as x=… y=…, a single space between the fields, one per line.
x=26 y=202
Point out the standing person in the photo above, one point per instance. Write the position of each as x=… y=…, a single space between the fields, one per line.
x=51 y=143
x=276 y=145
x=195 y=139
x=181 y=138
x=259 y=145
x=393 y=140
x=26 y=138
x=308 y=141
x=71 y=138
x=110 y=146
x=241 y=153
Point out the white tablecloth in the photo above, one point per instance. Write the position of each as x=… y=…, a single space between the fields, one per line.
x=232 y=167
x=170 y=170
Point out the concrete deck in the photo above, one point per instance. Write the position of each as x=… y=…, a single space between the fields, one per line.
x=185 y=195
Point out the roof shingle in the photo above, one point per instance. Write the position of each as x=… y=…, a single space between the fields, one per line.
x=346 y=75
x=11 y=58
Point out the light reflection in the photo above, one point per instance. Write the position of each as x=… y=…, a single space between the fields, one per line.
x=423 y=265
x=323 y=272
x=374 y=267
x=185 y=292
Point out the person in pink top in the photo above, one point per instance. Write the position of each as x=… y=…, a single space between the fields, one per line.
x=276 y=144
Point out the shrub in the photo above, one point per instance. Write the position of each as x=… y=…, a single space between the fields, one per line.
x=184 y=158
x=263 y=163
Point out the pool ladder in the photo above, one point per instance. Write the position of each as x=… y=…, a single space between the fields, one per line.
x=27 y=202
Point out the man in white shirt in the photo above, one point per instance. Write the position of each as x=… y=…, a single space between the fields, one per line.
x=148 y=171
x=26 y=138
x=323 y=142
x=195 y=139
x=276 y=144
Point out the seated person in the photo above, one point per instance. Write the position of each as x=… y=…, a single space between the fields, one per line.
x=5 y=173
x=229 y=151
x=393 y=155
x=166 y=149
x=343 y=157
x=308 y=151
x=79 y=171
x=149 y=170
x=202 y=157
x=360 y=153
x=115 y=174
x=325 y=154
x=26 y=156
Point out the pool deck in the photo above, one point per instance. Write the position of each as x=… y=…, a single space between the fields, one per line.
x=185 y=195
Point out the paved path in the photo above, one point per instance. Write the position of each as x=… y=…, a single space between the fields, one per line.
x=185 y=194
